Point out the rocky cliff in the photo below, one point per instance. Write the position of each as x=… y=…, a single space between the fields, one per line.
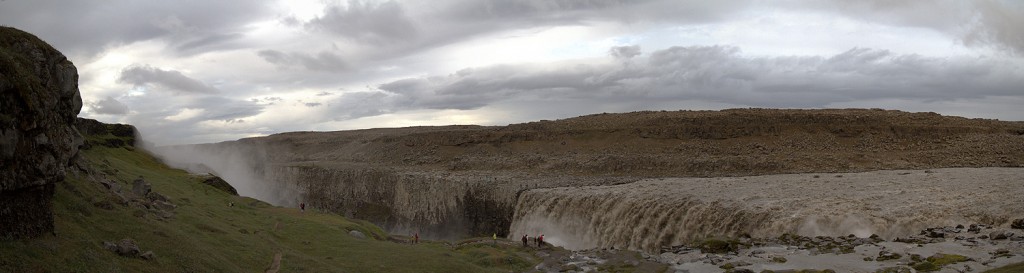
x=39 y=100
x=467 y=180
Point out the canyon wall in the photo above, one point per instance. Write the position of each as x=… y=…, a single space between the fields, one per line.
x=455 y=181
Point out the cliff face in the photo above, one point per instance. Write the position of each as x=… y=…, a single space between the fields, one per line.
x=39 y=100
x=468 y=179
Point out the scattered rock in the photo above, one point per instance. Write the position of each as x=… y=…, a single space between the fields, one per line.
x=164 y=206
x=999 y=235
x=1018 y=224
x=126 y=247
x=886 y=255
x=140 y=187
x=148 y=255
x=155 y=196
x=934 y=233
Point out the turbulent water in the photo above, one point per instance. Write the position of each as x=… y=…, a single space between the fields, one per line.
x=650 y=214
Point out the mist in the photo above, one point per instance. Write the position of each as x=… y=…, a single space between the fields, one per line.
x=245 y=167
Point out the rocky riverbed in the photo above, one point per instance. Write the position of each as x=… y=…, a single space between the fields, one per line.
x=971 y=248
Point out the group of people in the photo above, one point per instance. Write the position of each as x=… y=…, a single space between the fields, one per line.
x=539 y=239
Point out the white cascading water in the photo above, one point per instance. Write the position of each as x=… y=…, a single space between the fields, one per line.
x=650 y=214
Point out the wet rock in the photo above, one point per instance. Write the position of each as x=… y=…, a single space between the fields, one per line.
x=1018 y=224
x=999 y=235
x=974 y=229
x=886 y=255
x=935 y=233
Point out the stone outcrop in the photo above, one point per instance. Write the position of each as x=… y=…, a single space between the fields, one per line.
x=39 y=100
x=109 y=135
x=220 y=184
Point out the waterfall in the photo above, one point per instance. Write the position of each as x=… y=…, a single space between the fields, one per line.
x=654 y=213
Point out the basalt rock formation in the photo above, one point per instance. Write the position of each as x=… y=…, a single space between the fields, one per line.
x=467 y=180
x=109 y=135
x=39 y=100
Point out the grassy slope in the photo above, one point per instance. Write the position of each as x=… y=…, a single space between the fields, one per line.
x=206 y=234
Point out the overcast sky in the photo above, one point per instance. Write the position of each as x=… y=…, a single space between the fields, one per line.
x=207 y=71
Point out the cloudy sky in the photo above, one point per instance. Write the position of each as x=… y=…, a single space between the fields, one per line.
x=206 y=71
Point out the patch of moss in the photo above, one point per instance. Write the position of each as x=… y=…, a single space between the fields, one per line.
x=926 y=267
x=719 y=246
x=946 y=259
x=895 y=269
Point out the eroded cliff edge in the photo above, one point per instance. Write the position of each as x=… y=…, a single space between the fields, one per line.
x=39 y=101
x=466 y=180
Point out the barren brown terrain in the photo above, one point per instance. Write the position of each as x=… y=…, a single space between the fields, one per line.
x=466 y=180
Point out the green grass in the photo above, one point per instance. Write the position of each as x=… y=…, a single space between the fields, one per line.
x=1013 y=268
x=207 y=235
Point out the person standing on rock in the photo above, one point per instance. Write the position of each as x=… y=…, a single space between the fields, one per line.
x=540 y=241
x=525 y=239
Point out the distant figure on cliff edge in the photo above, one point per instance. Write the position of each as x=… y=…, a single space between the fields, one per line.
x=416 y=238
x=302 y=207
x=495 y=238
x=540 y=241
x=525 y=239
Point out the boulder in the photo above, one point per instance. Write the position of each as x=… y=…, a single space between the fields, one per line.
x=126 y=247
x=999 y=235
x=164 y=205
x=148 y=255
x=155 y=196
x=39 y=100
x=141 y=188
x=1017 y=224
x=357 y=234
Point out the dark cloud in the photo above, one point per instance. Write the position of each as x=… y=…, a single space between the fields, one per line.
x=108 y=106
x=167 y=79
x=207 y=42
x=323 y=61
x=371 y=23
x=711 y=73
x=582 y=12
x=85 y=28
x=224 y=109
x=1000 y=23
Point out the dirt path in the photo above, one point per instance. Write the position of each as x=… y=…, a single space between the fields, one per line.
x=276 y=265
